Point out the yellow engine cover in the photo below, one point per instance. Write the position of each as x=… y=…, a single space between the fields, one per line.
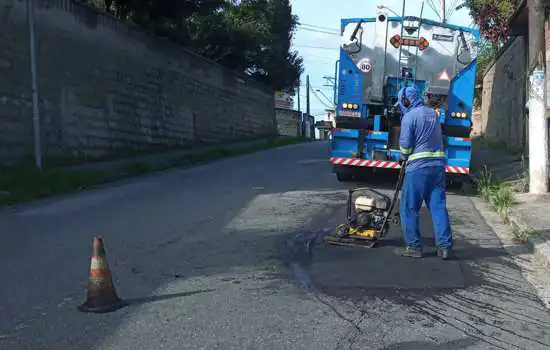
x=368 y=233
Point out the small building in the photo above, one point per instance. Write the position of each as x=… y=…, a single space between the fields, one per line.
x=289 y=122
x=325 y=126
x=331 y=116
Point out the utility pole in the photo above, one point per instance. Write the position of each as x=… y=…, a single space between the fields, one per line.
x=442 y=9
x=34 y=86
x=299 y=121
x=298 y=93
x=307 y=104
x=307 y=95
x=538 y=133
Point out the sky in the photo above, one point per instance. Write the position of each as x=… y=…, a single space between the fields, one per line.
x=318 y=38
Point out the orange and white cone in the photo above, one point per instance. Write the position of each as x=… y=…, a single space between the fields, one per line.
x=102 y=296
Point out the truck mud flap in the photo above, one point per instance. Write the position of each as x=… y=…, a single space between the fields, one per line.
x=361 y=143
x=353 y=123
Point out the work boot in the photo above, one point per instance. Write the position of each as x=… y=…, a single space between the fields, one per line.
x=411 y=252
x=444 y=253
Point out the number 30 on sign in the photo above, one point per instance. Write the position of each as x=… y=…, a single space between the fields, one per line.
x=364 y=65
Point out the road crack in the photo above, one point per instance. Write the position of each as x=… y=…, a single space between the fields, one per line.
x=300 y=257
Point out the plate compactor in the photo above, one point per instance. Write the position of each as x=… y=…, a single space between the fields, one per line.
x=369 y=214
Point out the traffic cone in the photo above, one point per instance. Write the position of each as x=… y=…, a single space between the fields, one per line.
x=102 y=296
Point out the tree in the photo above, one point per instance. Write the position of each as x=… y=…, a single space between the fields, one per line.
x=492 y=17
x=248 y=36
x=277 y=64
x=485 y=57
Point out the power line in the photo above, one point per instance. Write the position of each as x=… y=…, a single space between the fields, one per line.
x=317 y=47
x=434 y=8
x=318 y=27
x=333 y=58
x=322 y=63
x=319 y=31
x=452 y=8
x=321 y=58
x=316 y=87
x=319 y=99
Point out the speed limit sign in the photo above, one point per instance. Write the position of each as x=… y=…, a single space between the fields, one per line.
x=364 y=65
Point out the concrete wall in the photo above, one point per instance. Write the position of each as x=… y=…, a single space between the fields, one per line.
x=105 y=88
x=502 y=112
x=288 y=122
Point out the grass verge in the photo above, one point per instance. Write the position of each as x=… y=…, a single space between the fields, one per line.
x=24 y=184
x=500 y=197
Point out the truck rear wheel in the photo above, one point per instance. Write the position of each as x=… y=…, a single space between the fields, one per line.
x=344 y=177
x=467 y=187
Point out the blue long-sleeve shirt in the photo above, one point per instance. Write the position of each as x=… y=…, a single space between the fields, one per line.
x=420 y=140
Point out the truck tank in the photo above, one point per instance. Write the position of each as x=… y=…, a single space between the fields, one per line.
x=382 y=49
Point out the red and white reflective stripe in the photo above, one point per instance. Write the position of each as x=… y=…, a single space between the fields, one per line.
x=457 y=170
x=365 y=163
x=387 y=164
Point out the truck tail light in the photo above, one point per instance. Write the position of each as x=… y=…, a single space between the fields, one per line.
x=423 y=43
x=396 y=41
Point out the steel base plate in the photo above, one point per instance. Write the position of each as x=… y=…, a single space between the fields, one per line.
x=350 y=241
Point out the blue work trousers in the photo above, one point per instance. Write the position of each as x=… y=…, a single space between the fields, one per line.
x=425 y=185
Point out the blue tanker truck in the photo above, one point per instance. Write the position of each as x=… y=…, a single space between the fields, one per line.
x=379 y=56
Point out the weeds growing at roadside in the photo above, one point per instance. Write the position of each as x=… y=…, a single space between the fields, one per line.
x=484 y=182
x=521 y=236
x=501 y=199
x=523 y=182
x=499 y=195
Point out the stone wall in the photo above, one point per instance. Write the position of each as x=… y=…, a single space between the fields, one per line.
x=106 y=88
x=288 y=122
x=504 y=96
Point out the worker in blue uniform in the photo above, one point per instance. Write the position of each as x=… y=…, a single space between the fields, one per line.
x=423 y=156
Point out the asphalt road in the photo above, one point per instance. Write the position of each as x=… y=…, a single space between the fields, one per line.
x=209 y=258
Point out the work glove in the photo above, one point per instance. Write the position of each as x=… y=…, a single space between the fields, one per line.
x=402 y=159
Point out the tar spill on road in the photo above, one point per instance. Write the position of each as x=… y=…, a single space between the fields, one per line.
x=299 y=255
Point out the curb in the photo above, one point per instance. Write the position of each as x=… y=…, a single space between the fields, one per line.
x=539 y=246
x=166 y=158
x=527 y=256
x=115 y=171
